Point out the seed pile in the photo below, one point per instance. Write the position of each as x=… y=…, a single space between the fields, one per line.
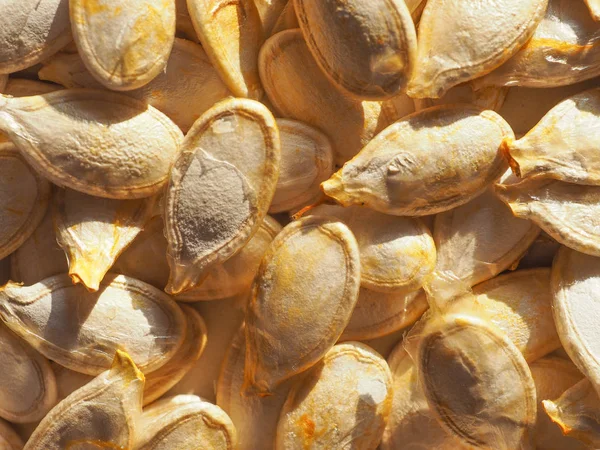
x=299 y=224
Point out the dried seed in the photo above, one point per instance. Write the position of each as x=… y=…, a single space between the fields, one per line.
x=231 y=34
x=564 y=49
x=182 y=102
x=552 y=377
x=185 y=422
x=519 y=304
x=562 y=145
x=248 y=413
x=475 y=242
x=289 y=328
x=81 y=330
x=94 y=231
x=40 y=256
x=68 y=381
x=183 y=24
x=416 y=8
x=9 y=439
x=269 y=11
x=102 y=414
x=123 y=44
x=396 y=253
x=31 y=31
x=565 y=211
x=306 y=161
x=111 y=145
x=287 y=20
x=221 y=186
x=21 y=87
x=594 y=7
x=486 y=98
x=404 y=170
x=5 y=268
x=167 y=376
x=343 y=401
x=477 y=383
x=576 y=413
x=3 y=80
x=540 y=254
x=27 y=386
x=378 y=314
x=300 y=90
x=459 y=41
x=367 y=49
x=235 y=276
x=23 y=200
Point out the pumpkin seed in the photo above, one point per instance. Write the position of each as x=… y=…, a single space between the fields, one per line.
x=475 y=242
x=594 y=7
x=287 y=20
x=111 y=145
x=541 y=253
x=485 y=98
x=306 y=161
x=231 y=34
x=3 y=80
x=319 y=252
x=404 y=170
x=31 y=31
x=68 y=381
x=552 y=377
x=299 y=90
x=125 y=45
x=94 y=231
x=248 y=413
x=28 y=389
x=460 y=41
x=561 y=146
x=102 y=414
x=220 y=188
x=9 y=439
x=269 y=11
x=477 y=383
x=564 y=49
x=367 y=49
x=183 y=23
x=24 y=197
x=396 y=253
x=576 y=413
x=81 y=330
x=185 y=422
x=5 y=268
x=182 y=102
x=565 y=211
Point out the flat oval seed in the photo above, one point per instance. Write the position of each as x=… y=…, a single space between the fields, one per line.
x=520 y=304
x=231 y=34
x=378 y=314
x=552 y=377
x=306 y=161
x=235 y=276
x=289 y=328
x=31 y=31
x=221 y=186
x=397 y=254
x=477 y=383
x=575 y=279
x=182 y=102
x=40 y=256
x=94 y=231
x=344 y=401
x=562 y=145
x=27 y=385
x=167 y=376
x=594 y=7
x=9 y=439
x=255 y=418
x=368 y=49
x=404 y=171
x=124 y=44
x=185 y=422
x=476 y=242
x=495 y=31
x=24 y=197
x=101 y=414
x=564 y=49
x=111 y=145
x=565 y=211
x=300 y=90
x=81 y=330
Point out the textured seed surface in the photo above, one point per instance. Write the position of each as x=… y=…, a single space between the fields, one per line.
x=348 y=396
x=220 y=188
x=82 y=329
x=311 y=273
x=124 y=45
x=110 y=146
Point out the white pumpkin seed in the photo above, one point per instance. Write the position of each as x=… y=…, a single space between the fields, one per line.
x=594 y=7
